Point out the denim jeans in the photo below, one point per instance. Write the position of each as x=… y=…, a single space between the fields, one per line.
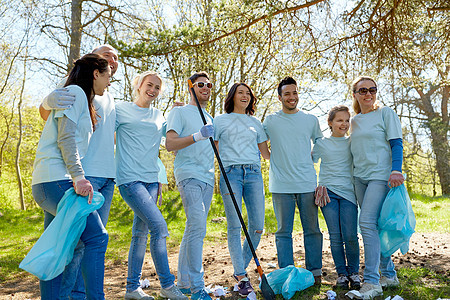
x=370 y=195
x=94 y=237
x=142 y=198
x=196 y=196
x=341 y=217
x=106 y=187
x=284 y=207
x=246 y=182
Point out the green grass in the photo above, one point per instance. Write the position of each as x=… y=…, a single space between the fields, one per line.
x=19 y=230
x=432 y=213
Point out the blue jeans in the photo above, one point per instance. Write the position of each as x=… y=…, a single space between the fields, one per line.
x=246 y=182
x=106 y=187
x=284 y=207
x=196 y=196
x=370 y=195
x=341 y=217
x=142 y=198
x=94 y=237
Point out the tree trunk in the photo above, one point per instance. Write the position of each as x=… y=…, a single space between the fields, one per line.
x=75 y=33
x=19 y=138
x=439 y=142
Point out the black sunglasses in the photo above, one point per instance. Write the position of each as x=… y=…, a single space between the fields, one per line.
x=363 y=91
x=201 y=84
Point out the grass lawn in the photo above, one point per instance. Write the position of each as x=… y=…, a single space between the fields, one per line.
x=19 y=230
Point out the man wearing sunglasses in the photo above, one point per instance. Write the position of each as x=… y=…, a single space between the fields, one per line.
x=194 y=174
x=292 y=177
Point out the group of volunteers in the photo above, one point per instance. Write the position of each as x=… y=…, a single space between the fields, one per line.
x=90 y=143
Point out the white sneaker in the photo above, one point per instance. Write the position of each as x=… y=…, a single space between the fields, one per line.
x=389 y=282
x=138 y=294
x=172 y=293
x=369 y=291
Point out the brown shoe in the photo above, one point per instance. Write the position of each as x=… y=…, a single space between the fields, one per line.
x=318 y=280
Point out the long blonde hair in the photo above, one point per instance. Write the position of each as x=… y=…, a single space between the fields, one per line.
x=137 y=82
x=356 y=107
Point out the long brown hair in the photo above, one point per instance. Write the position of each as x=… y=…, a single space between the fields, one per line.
x=82 y=75
x=229 y=101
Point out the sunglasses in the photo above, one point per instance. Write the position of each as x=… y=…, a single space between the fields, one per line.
x=201 y=84
x=363 y=91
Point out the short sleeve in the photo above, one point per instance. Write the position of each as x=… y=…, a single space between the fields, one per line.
x=393 y=127
x=316 y=153
x=317 y=133
x=175 y=121
x=262 y=137
x=79 y=106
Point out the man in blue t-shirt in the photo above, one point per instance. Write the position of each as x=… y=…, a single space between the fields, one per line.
x=292 y=177
x=194 y=174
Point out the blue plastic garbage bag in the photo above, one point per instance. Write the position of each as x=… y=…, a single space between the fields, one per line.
x=54 y=249
x=287 y=281
x=396 y=222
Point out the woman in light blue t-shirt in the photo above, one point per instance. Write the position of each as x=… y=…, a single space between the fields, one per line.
x=240 y=139
x=58 y=167
x=376 y=145
x=139 y=129
x=341 y=212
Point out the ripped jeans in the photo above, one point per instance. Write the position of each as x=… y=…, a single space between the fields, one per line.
x=141 y=197
x=246 y=182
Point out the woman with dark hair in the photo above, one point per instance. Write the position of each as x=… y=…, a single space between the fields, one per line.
x=377 y=149
x=57 y=167
x=240 y=138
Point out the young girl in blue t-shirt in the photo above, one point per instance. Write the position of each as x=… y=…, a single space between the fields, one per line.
x=340 y=212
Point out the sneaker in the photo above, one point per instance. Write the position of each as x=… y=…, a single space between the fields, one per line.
x=173 y=293
x=138 y=294
x=342 y=282
x=244 y=287
x=318 y=280
x=389 y=282
x=355 y=281
x=369 y=291
x=201 y=295
x=186 y=291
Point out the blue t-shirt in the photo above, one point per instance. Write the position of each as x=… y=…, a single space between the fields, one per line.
x=336 y=166
x=49 y=165
x=99 y=158
x=197 y=160
x=138 y=135
x=370 y=135
x=291 y=166
x=238 y=136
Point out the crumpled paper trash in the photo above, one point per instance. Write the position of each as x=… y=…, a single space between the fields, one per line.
x=271 y=265
x=396 y=297
x=354 y=294
x=331 y=295
x=251 y=296
x=217 y=290
x=144 y=283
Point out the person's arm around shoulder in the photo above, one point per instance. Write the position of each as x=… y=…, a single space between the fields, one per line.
x=60 y=98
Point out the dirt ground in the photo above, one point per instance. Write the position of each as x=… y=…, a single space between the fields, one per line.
x=429 y=250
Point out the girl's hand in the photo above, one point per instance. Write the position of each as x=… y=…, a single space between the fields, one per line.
x=84 y=188
x=395 y=179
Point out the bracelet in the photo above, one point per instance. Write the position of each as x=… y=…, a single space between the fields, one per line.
x=193 y=138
